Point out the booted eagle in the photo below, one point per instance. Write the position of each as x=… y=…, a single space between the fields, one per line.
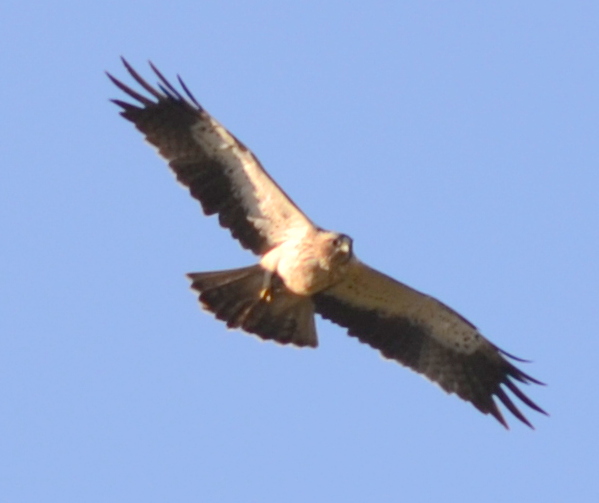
x=304 y=269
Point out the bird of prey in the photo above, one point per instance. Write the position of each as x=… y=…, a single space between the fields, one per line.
x=304 y=269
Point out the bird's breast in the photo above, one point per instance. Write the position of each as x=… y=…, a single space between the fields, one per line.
x=304 y=267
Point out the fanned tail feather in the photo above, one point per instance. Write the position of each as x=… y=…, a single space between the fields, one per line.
x=237 y=297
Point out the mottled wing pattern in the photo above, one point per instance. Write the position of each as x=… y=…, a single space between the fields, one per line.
x=425 y=335
x=218 y=169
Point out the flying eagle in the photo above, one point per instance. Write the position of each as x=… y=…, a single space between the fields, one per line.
x=304 y=269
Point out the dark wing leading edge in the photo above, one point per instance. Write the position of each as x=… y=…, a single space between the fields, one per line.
x=218 y=169
x=425 y=335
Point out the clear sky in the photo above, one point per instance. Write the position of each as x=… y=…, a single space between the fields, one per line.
x=456 y=142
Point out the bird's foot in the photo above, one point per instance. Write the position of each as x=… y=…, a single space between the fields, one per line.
x=266 y=294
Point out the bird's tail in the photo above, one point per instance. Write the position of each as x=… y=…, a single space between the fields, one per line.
x=258 y=302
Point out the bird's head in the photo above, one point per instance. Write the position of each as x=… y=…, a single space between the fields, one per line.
x=342 y=248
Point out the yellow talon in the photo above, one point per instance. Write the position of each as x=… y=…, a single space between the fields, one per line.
x=265 y=294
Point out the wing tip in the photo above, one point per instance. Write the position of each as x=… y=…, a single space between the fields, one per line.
x=168 y=91
x=512 y=372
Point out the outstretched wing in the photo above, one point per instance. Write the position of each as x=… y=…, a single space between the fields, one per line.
x=425 y=335
x=219 y=171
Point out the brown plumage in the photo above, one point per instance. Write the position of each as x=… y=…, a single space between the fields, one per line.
x=304 y=269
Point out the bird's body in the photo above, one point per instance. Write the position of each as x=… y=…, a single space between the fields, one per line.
x=314 y=262
x=304 y=269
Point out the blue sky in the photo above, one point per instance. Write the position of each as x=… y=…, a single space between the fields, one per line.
x=456 y=142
